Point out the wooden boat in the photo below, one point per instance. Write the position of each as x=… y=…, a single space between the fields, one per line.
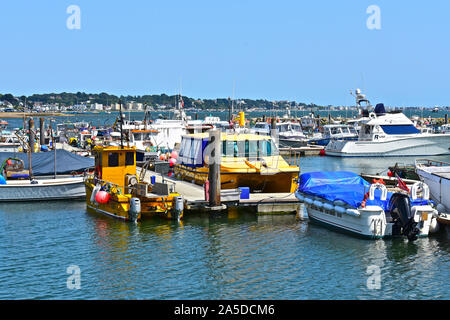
x=247 y=160
x=124 y=195
x=345 y=202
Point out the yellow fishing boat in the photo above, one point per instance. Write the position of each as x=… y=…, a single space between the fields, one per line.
x=247 y=160
x=115 y=189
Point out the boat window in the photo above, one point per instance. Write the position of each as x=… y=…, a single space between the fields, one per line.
x=137 y=136
x=230 y=148
x=251 y=149
x=296 y=127
x=335 y=130
x=367 y=129
x=267 y=148
x=113 y=159
x=129 y=159
x=400 y=129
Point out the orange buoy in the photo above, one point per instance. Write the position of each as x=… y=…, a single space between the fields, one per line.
x=102 y=197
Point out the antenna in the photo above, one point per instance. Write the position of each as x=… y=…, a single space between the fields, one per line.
x=121 y=122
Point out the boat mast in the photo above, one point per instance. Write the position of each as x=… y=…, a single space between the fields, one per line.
x=121 y=122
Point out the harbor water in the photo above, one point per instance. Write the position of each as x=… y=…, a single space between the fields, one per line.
x=237 y=255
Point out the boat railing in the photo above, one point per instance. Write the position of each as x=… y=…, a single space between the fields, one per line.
x=430 y=163
x=111 y=185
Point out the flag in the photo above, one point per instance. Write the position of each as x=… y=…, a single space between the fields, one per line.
x=181 y=102
x=401 y=184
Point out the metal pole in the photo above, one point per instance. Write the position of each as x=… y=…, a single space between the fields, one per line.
x=214 y=169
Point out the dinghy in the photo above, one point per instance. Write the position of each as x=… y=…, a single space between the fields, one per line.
x=346 y=202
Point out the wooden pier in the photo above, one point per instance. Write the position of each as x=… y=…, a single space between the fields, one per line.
x=309 y=150
x=261 y=203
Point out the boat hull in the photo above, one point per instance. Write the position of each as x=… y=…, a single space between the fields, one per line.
x=369 y=222
x=119 y=207
x=439 y=187
x=49 y=189
x=430 y=145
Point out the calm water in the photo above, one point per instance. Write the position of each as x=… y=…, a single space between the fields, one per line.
x=231 y=256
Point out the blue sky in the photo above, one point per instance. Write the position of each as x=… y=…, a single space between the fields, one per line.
x=307 y=51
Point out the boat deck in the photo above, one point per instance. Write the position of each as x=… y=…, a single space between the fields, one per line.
x=262 y=203
x=442 y=174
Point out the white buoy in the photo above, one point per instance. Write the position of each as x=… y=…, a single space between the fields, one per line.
x=434 y=225
x=301 y=212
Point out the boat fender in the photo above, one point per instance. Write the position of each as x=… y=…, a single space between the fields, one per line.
x=353 y=212
x=328 y=206
x=318 y=203
x=94 y=193
x=300 y=197
x=415 y=188
x=308 y=200
x=340 y=209
x=135 y=209
x=434 y=225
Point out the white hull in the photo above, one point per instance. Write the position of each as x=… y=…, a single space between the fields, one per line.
x=369 y=222
x=48 y=189
x=439 y=186
x=423 y=145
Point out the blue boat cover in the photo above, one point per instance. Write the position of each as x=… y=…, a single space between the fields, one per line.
x=42 y=163
x=335 y=185
x=344 y=186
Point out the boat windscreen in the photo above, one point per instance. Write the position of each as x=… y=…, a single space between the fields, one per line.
x=400 y=129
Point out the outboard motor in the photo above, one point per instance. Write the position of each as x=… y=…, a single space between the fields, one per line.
x=135 y=209
x=400 y=209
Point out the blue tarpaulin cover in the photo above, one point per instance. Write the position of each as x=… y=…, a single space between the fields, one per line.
x=335 y=185
x=345 y=186
x=42 y=163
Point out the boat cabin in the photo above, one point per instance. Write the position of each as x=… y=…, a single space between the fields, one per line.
x=116 y=165
x=380 y=127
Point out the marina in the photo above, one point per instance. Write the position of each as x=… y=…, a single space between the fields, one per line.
x=225 y=159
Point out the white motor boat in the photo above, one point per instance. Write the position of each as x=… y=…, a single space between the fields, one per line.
x=335 y=132
x=390 y=134
x=346 y=202
x=43 y=189
x=16 y=185
x=290 y=134
x=436 y=175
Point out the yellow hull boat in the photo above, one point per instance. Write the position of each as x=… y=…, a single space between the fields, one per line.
x=116 y=191
x=247 y=160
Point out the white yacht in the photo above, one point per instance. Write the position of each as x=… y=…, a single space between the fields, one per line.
x=335 y=132
x=390 y=134
x=290 y=134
